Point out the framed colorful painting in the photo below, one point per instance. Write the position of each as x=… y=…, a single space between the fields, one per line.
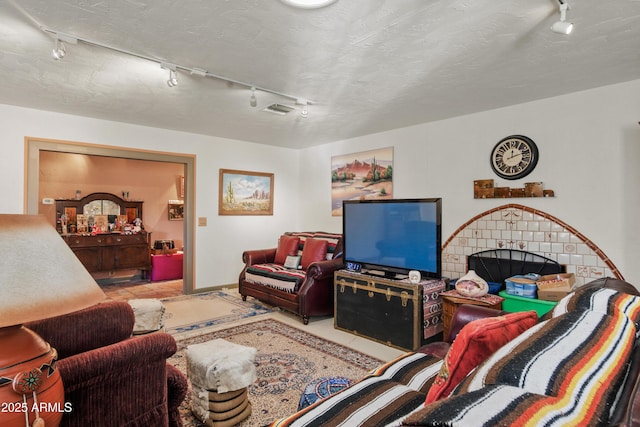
x=245 y=193
x=361 y=176
x=176 y=210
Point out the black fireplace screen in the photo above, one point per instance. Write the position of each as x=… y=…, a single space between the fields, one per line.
x=495 y=265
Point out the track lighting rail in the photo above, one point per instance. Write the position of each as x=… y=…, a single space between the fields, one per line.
x=74 y=39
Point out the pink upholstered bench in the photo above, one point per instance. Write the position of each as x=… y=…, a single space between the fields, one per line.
x=166 y=267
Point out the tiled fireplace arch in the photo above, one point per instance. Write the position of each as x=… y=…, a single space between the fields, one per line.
x=520 y=227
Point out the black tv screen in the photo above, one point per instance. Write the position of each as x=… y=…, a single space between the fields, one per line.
x=393 y=236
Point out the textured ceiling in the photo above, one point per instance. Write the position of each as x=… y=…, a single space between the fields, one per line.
x=366 y=65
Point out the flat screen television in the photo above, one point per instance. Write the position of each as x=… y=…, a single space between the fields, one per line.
x=392 y=237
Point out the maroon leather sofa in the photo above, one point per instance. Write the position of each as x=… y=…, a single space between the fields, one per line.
x=110 y=378
x=313 y=296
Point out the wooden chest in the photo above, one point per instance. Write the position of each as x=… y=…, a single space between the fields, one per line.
x=450 y=303
x=388 y=311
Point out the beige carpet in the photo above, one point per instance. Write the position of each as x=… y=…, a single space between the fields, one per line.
x=287 y=360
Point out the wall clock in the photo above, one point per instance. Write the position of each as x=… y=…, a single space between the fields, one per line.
x=514 y=157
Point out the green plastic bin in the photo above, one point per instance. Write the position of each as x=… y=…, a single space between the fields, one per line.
x=513 y=303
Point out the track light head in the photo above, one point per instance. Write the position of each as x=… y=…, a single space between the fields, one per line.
x=173 y=74
x=59 y=50
x=173 y=79
x=562 y=26
x=304 y=113
x=253 y=101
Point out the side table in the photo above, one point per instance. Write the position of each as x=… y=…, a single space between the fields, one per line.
x=451 y=300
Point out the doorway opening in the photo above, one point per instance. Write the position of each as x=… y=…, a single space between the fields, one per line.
x=34 y=147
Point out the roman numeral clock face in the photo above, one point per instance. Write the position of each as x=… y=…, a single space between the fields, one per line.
x=514 y=157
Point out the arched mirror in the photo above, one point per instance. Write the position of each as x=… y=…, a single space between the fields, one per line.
x=101 y=207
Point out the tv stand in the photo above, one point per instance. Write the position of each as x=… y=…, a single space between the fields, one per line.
x=394 y=312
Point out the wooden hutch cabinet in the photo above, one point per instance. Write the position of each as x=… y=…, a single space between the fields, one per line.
x=107 y=250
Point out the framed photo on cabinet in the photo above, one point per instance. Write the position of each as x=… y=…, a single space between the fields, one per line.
x=176 y=210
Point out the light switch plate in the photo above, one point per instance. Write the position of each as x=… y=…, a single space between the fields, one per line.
x=202 y=221
x=47 y=201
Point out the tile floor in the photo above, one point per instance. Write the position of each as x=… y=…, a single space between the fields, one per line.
x=127 y=291
x=321 y=326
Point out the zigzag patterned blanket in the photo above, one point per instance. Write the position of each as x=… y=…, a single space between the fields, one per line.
x=287 y=279
x=562 y=372
x=565 y=371
x=382 y=398
x=275 y=276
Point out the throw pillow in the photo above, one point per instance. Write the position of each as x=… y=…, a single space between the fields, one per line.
x=314 y=250
x=476 y=341
x=287 y=245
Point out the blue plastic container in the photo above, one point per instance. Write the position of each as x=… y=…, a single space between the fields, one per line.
x=494 y=287
x=521 y=286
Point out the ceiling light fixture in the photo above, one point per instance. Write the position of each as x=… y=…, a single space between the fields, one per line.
x=59 y=50
x=308 y=4
x=59 y=47
x=562 y=26
x=253 y=101
x=173 y=75
x=173 y=79
x=69 y=38
x=304 y=113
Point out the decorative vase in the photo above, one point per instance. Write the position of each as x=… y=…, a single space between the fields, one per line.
x=31 y=389
x=472 y=285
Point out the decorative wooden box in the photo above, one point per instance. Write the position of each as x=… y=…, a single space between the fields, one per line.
x=451 y=300
x=388 y=311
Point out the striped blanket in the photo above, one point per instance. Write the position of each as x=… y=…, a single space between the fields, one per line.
x=331 y=238
x=275 y=276
x=382 y=398
x=565 y=371
x=287 y=279
x=606 y=301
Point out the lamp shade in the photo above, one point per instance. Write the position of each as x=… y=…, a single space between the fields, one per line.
x=40 y=276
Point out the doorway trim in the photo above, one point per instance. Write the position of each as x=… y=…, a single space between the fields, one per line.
x=33 y=146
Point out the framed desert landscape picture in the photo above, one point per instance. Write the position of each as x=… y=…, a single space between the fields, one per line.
x=245 y=193
x=361 y=176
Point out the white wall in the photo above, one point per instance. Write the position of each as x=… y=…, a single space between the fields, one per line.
x=589 y=154
x=219 y=246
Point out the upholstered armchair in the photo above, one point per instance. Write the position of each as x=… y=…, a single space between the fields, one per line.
x=111 y=378
x=305 y=285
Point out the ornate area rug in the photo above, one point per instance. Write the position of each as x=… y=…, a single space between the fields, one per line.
x=188 y=313
x=287 y=360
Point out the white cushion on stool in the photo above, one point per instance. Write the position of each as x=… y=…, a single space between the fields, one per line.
x=149 y=313
x=221 y=365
